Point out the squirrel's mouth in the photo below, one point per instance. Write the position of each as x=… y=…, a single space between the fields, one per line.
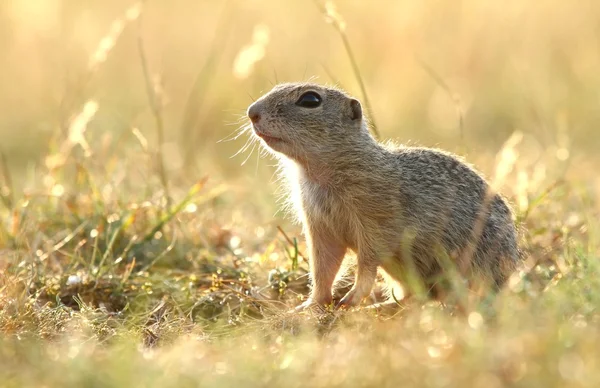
x=268 y=138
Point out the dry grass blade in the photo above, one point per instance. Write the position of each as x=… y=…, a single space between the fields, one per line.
x=293 y=242
x=6 y=189
x=176 y=209
x=451 y=94
x=200 y=85
x=64 y=241
x=156 y=108
x=328 y=11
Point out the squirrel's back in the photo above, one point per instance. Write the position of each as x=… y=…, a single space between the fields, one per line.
x=451 y=203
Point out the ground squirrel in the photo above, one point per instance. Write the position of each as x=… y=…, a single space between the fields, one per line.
x=394 y=206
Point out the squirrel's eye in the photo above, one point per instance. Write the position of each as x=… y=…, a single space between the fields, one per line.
x=309 y=100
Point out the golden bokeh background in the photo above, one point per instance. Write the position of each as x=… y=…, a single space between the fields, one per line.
x=528 y=66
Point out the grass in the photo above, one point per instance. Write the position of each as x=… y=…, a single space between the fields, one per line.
x=121 y=267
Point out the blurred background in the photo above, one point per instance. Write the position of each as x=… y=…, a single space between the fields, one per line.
x=462 y=75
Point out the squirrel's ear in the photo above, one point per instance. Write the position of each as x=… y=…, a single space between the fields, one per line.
x=355 y=109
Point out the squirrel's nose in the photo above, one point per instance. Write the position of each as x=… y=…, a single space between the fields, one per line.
x=254 y=113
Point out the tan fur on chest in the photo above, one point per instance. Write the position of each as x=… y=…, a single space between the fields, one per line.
x=328 y=211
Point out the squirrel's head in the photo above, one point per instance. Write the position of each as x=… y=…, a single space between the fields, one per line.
x=305 y=121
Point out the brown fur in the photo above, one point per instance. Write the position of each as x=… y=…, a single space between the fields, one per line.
x=401 y=209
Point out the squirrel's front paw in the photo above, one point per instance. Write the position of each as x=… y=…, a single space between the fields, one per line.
x=351 y=299
x=312 y=304
x=307 y=304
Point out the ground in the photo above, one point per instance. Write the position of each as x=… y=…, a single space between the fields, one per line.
x=135 y=251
